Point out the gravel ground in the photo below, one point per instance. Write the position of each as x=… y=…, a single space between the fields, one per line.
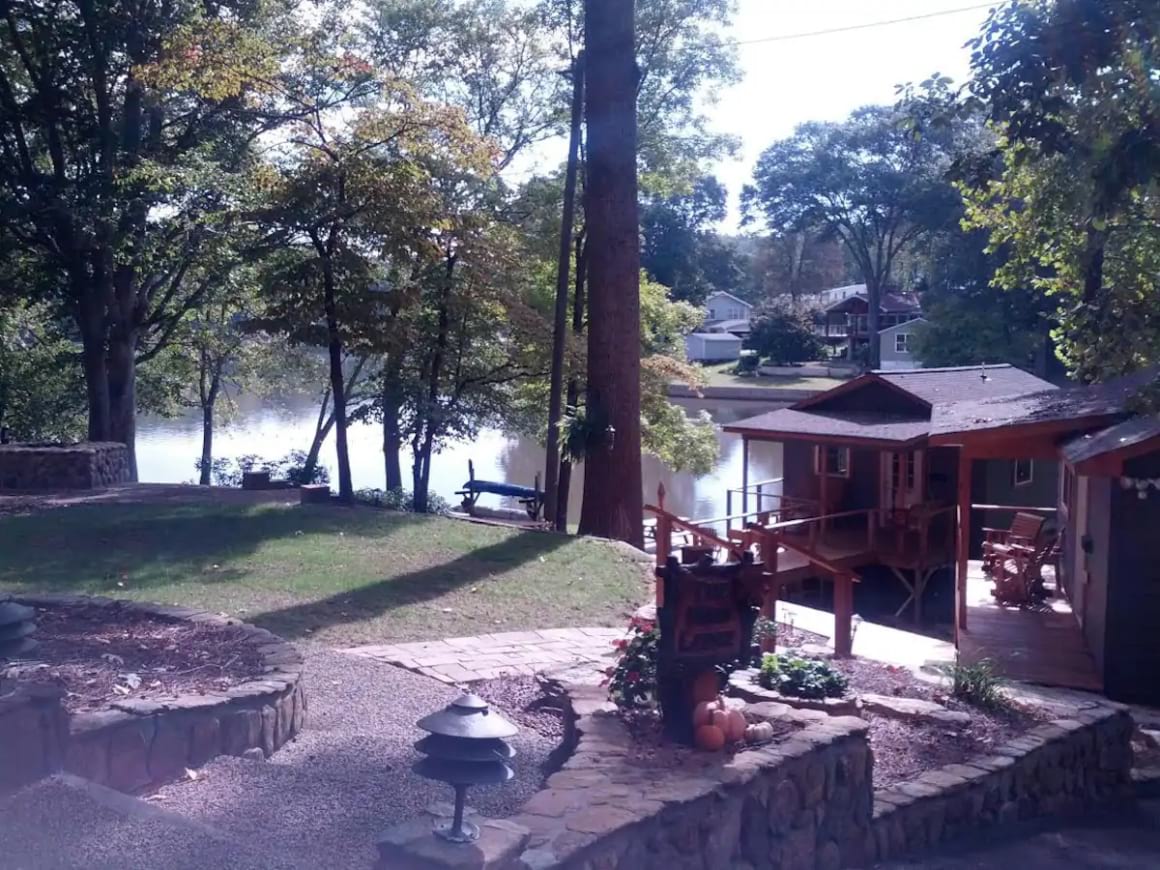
x=320 y=802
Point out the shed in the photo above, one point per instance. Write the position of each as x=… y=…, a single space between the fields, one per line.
x=712 y=347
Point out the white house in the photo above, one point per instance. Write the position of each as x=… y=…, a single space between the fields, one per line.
x=896 y=345
x=712 y=347
x=726 y=306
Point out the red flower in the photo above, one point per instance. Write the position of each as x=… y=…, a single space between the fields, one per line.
x=620 y=644
x=633 y=676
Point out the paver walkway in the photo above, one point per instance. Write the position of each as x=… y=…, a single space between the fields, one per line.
x=459 y=660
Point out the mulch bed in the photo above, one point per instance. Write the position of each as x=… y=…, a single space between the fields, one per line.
x=522 y=700
x=652 y=748
x=101 y=654
x=902 y=748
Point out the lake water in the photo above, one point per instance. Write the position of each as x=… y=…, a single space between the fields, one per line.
x=168 y=448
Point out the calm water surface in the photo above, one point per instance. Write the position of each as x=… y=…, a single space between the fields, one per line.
x=168 y=448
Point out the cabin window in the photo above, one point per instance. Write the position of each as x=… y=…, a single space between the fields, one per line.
x=837 y=461
x=902 y=342
x=1023 y=471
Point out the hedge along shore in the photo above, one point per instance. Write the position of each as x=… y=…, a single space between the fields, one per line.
x=138 y=744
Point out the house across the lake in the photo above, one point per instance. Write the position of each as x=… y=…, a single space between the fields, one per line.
x=904 y=469
x=845 y=322
x=724 y=306
x=711 y=347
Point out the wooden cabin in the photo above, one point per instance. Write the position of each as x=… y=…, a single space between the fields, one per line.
x=859 y=457
x=1108 y=501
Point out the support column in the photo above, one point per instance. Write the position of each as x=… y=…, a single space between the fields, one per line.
x=745 y=478
x=963 y=542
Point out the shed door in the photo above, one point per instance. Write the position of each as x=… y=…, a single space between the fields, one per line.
x=1079 y=530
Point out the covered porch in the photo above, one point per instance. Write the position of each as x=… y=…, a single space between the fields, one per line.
x=1037 y=645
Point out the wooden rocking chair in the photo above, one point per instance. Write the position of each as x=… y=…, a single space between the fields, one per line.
x=1018 y=573
x=1024 y=532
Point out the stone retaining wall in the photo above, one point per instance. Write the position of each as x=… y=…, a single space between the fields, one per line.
x=1062 y=766
x=804 y=802
x=90 y=465
x=141 y=744
x=33 y=730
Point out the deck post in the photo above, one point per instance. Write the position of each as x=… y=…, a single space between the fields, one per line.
x=744 y=477
x=963 y=542
x=843 y=616
x=823 y=480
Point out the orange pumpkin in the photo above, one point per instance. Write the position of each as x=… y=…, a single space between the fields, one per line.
x=719 y=718
x=706 y=686
x=734 y=726
x=703 y=714
x=709 y=738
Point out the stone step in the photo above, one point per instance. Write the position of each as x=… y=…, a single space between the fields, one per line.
x=65 y=822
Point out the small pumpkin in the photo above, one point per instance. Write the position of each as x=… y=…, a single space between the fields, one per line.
x=761 y=732
x=706 y=686
x=709 y=738
x=703 y=714
x=734 y=726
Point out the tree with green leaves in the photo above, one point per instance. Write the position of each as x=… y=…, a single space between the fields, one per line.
x=124 y=130
x=679 y=247
x=785 y=335
x=871 y=181
x=41 y=382
x=1069 y=88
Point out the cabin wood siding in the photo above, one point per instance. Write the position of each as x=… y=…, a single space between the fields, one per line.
x=1132 y=626
x=859 y=490
x=1090 y=573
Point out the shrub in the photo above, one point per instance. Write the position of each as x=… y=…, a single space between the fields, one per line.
x=976 y=684
x=748 y=363
x=632 y=681
x=801 y=677
x=785 y=337
x=291 y=467
x=400 y=499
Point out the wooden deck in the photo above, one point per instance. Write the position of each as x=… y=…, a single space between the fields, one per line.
x=1042 y=645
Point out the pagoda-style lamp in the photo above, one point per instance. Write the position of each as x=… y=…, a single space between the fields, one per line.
x=17 y=623
x=465 y=747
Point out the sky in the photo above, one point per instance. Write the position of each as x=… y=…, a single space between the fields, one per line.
x=825 y=77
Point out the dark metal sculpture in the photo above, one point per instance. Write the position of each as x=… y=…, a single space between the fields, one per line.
x=17 y=623
x=465 y=747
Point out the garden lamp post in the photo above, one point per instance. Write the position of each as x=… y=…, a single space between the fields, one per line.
x=465 y=747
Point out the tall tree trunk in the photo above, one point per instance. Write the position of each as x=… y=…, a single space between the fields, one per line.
x=122 y=375
x=613 y=504
x=874 y=303
x=392 y=436
x=424 y=440
x=564 y=486
x=209 y=398
x=560 y=323
x=91 y=325
x=334 y=353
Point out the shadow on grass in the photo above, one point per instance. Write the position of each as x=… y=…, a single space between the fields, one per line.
x=90 y=548
x=416 y=587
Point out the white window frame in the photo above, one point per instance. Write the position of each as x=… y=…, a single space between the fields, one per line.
x=902 y=342
x=1015 y=476
x=841 y=453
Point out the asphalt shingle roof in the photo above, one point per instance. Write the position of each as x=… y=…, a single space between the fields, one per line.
x=835 y=424
x=965 y=384
x=1046 y=406
x=1126 y=434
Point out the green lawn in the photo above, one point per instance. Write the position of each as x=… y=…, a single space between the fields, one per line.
x=721 y=375
x=340 y=576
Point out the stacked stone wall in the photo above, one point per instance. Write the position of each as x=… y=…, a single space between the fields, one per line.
x=92 y=465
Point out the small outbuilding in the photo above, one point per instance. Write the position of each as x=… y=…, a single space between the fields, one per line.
x=712 y=347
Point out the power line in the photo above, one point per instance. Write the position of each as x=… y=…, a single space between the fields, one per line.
x=788 y=36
